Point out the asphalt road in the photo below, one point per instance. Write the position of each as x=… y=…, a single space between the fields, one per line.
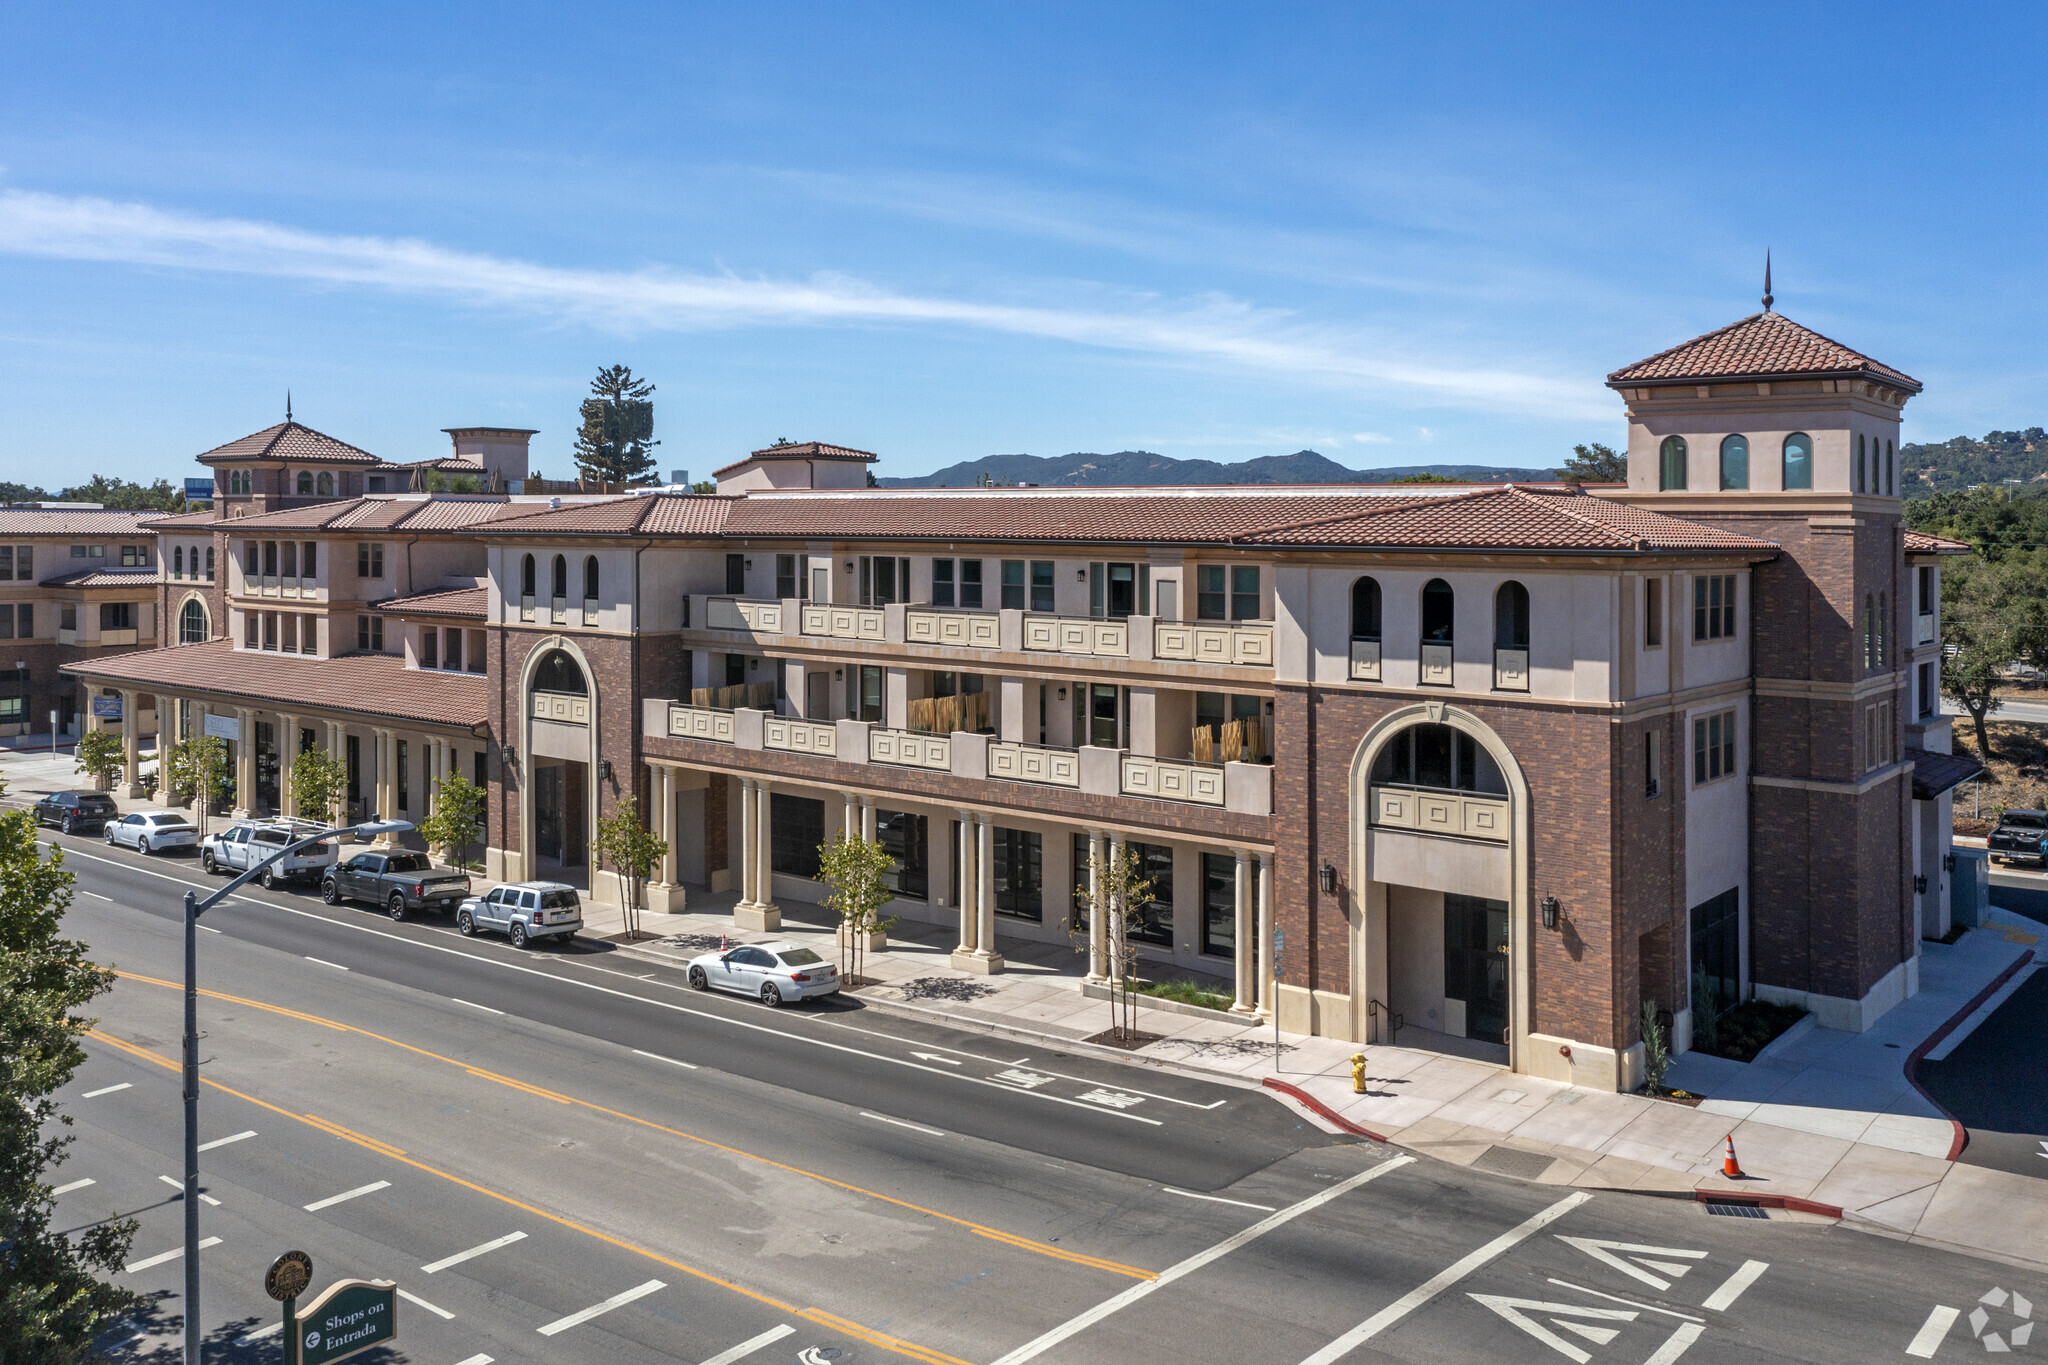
x=573 y=1159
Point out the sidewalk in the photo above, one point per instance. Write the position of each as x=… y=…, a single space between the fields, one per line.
x=1825 y=1120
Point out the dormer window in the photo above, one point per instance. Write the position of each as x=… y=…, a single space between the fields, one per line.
x=305 y=483
x=326 y=485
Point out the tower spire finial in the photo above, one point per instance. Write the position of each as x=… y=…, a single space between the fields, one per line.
x=288 y=392
x=1767 y=280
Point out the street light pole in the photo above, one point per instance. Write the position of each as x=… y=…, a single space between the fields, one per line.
x=194 y=908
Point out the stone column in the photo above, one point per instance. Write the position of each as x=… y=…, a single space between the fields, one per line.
x=1244 y=932
x=867 y=818
x=665 y=817
x=199 y=808
x=287 y=752
x=764 y=915
x=849 y=816
x=1098 y=927
x=1114 y=957
x=985 y=953
x=245 y=763
x=386 y=785
x=1268 y=987
x=969 y=880
x=131 y=745
x=747 y=901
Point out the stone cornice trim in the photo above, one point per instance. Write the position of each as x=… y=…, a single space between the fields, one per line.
x=1808 y=784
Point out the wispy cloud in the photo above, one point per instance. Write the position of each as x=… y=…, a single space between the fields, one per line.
x=1213 y=331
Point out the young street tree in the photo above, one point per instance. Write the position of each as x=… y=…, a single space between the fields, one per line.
x=101 y=756
x=632 y=853
x=457 y=818
x=200 y=768
x=615 y=445
x=53 y=1301
x=1117 y=892
x=319 y=786
x=1595 y=463
x=857 y=870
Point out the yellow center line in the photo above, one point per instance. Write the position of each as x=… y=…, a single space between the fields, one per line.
x=997 y=1234
x=817 y=1315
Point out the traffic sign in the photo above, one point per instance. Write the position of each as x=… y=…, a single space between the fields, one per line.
x=346 y=1317
x=288 y=1276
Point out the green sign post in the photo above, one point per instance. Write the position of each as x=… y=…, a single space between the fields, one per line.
x=346 y=1317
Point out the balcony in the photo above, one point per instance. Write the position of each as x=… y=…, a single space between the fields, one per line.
x=1436 y=665
x=700 y=722
x=1037 y=763
x=1365 y=661
x=1077 y=635
x=67 y=636
x=739 y=613
x=1511 y=670
x=959 y=629
x=910 y=749
x=1215 y=642
x=1459 y=814
x=118 y=637
x=590 y=611
x=833 y=621
x=569 y=708
x=800 y=736
x=526 y=607
x=558 y=611
x=1167 y=779
x=1924 y=629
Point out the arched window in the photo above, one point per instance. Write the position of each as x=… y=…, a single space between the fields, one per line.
x=590 y=578
x=526 y=577
x=326 y=482
x=1890 y=487
x=177 y=561
x=1365 y=609
x=561 y=577
x=1671 y=465
x=1798 y=460
x=559 y=672
x=192 y=623
x=1438 y=606
x=305 y=483
x=1511 y=616
x=209 y=563
x=1869 y=630
x=1884 y=622
x=1438 y=757
x=1735 y=462
x=1860 y=484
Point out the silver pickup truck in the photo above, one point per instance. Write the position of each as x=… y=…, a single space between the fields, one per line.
x=246 y=843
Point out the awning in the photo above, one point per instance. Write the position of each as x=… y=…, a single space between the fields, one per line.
x=1935 y=773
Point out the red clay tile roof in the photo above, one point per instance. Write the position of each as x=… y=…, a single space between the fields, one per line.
x=1095 y=516
x=288 y=441
x=103 y=578
x=205 y=516
x=1760 y=346
x=1924 y=543
x=409 y=512
x=71 y=521
x=801 y=450
x=668 y=514
x=467 y=602
x=1510 y=518
x=363 y=684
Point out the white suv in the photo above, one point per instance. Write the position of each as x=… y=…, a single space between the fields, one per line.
x=246 y=843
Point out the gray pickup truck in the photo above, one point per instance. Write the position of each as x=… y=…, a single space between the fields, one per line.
x=400 y=881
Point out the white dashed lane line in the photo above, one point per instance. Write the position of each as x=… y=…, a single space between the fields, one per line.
x=598 y=1309
x=104 y=1090
x=459 y=1257
x=473 y=1005
x=657 y=1057
x=1218 y=1199
x=331 y=1200
x=416 y=1299
x=74 y=1185
x=148 y=1261
x=222 y=1142
x=323 y=962
x=747 y=1347
x=913 y=1127
x=179 y=1186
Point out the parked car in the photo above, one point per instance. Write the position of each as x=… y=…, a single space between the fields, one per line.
x=152 y=831
x=772 y=972
x=76 y=812
x=399 y=880
x=524 y=911
x=2022 y=835
x=246 y=843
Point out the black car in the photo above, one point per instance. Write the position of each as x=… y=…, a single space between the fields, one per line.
x=2021 y=834
x=76 y=812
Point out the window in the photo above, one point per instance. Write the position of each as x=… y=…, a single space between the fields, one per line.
x=1117 y=591
x=24 y=563
x=1860 y=484
x=369 y=561
x=134 y=556
x=1210 y=602
x=13 y=710
x=1365 y=609
x=559 y=672
x=430 y=648
x=942 y=583
x=1244 y=592
x=354 y=749
x=1671 y=465
x=789 y=576
x=192 y=623
x=477 y=655
x=288 y=559
x=309 y=559
x=1440 y=758
x=1019 y=874
x=1735 y=462
x=590 y=578
x=970 y=584
x=6 y=622
x=1928 y=691
x=483 y=769
x=1884 y=621
x=1152 y=922
x=1653 y=765
x=1925 y=584
x=1511 y=616
x=288 y=633
x=305 y=483
x=1713 y=747
x=1717 y=948
x=117 y=616
x=209 y=563
x=1080 y=879
x=67 y=618
x=867 y=698
x=797 y=827
x=1878 y=746
x=1798 y=460
x=736 y=575
x=1653 y=613
x=78 y=552
x=370 y=633
x=1890 y=487
x=1041 y=585
x=270 y=559
x=270 y=630
x=252 y=630
x=177 y=561
x=1713 y=607
x=1219 y=904
x=1869 y=630
x=453 y=661
x=1013 y=585
x=326 y=482
x=402 y=780
x=1439 y=604
x=906 y=838
x=558 y=581
x=252 y=560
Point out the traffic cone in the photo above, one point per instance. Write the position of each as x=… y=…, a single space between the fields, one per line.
x=724 y=943
x=1729 y=1167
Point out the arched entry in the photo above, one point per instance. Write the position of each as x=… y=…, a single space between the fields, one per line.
x=1440 y=883
x=558 y=761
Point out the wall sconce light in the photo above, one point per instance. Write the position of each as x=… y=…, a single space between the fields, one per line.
x=511 y=757
x=1063 y=694
x=849 y=566
x=1329 y=879
x=604 y=770
x=1550 y=911
x=747 y=564
x=1920 y=884
x=838 y=672
x=754 y=664
x=1948 y=862
x=1080 y=575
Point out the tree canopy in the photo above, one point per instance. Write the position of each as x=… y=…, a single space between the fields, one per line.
x=615 y=444
x=1595 y=463
x=1965 y=461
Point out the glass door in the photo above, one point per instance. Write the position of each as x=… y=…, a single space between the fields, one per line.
x=1476 y=963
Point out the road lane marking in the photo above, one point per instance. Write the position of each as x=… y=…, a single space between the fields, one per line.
x=750 y=1345
x=1674 y=1345
x=1638 y=1257
x=519 y=1085
x=1927 y=1340
x=179 y=1186
x=97 y=896
x=416 y=1299
x=1039 y=1345
x=172 y=1255
x=816 y=1315
x=1442 y=1280
x=473 y=1005
x=261 y=1333
x=1216 y=1199
x=1731 y=1289
x=105 y=1090
x=331 y=1200
x=323 y=962
x=459 y=1257
x=1616 y=1298
x=598 y=1309
x=74 y=1185
x=657 y=1057
x=1562 y=1314
x=1023 y=1243
x=222 y=1142
x=478 y=1359
x=934 y=1057
x=211 y=930
x=914 y=1127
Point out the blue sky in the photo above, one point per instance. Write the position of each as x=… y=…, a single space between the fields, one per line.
x=1397 y=234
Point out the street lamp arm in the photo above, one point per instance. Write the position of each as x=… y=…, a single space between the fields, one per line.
x=370 y=827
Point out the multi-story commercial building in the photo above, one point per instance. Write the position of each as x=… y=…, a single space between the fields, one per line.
x=1490 y=765
x=76 y=584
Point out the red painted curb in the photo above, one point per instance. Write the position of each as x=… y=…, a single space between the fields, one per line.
x=1322 y=1110
x=1914 y=1058
x=1768 y=1201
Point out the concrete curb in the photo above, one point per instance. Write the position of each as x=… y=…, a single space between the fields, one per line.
x=1318 y=1108
x=1927 y=1045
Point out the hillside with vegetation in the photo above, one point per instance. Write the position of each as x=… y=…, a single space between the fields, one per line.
x=1143 y=468
x=1965 y=461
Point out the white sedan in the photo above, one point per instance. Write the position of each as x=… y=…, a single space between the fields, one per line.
x=770 y=972
x=152 y=831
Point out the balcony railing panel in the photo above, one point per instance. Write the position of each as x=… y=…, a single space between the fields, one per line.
x=837 y=622
x=567 y=707
x=1034 y=763
x=1434 y=812
x=1511 y=670
x=1923 y=628
x=967 y=630
x=1167 y=779
x=1078 y=635
x=738 y=613
x=1365 y=660
x=1436 y=665
x=907 y=749
x=590 y=611
x=800 y=736
x=526 y=608
x=1214 y=642
x=558 y=611
x=700 y=722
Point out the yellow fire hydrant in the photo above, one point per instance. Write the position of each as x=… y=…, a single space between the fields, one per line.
x=1358 y=1073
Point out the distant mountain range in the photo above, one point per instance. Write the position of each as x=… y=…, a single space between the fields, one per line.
x=1141 y=467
